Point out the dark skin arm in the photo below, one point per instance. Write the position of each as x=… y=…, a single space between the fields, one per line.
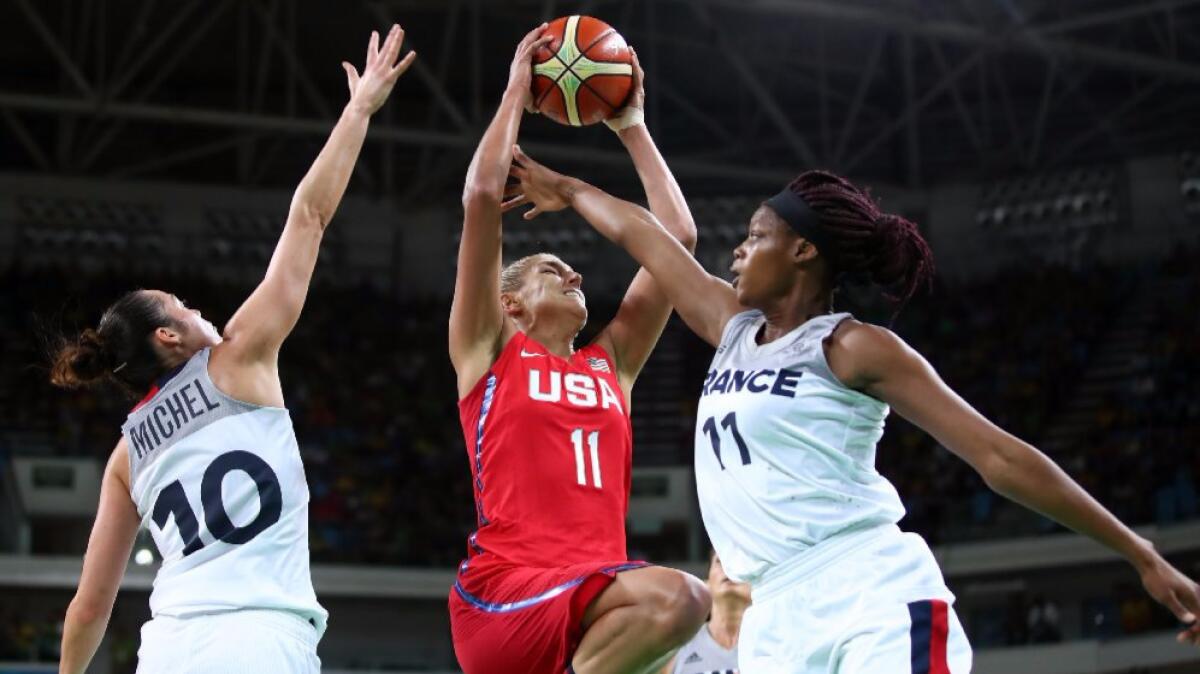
x=877 y=362
x=704 y=302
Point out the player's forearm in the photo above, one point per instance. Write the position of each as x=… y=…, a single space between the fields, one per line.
x=622 y=222
x=319 y=193
x=488 y=171
x=1025 y=475
x=83 y=629
x=662 y=191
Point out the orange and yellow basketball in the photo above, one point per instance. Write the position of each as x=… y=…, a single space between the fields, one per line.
x=585 y=74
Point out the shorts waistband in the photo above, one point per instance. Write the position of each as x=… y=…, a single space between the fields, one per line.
x=305 y=629
x=802 y=566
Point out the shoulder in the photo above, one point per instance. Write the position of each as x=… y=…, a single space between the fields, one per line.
x=860 y=353
x=118 y=463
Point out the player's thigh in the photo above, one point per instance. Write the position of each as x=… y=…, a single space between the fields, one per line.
x=655 y=587
x=918 y=638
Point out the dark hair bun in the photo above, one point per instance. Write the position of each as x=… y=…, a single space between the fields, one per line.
x=867 y=243
x=82 y=362
x=901 y=260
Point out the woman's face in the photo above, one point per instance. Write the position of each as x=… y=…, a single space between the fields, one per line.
x=764 y=265
x=551 y=288
x=196 y=332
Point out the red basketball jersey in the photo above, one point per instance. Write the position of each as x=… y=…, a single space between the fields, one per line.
x=551 y=448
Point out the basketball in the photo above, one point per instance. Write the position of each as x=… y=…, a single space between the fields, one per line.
x=584 y=75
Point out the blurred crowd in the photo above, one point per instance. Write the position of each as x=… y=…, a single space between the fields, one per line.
x=1020 y=347
x=372 y=396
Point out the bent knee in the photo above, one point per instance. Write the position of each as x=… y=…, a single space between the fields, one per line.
x=679 y=607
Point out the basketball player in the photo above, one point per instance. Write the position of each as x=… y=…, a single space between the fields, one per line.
x=208 y=461
x=714 y=648
x=547 y=586
x=788 y=422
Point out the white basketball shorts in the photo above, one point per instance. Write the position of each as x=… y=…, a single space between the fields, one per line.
x=229 y=642
x=871 y=602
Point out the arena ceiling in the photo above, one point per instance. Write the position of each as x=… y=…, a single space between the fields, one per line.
x=742 y=93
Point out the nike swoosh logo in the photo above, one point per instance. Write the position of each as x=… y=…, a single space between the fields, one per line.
x=526 y=354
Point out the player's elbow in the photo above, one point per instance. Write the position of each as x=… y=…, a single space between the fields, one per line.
x=88 y=610
x=482 y=188
x=999 y=469
x=687 y=236
x=306 y=213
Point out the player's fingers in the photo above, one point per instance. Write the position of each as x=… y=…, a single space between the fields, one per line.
x=529 y=50
x=638 y=73
x=520 y=156
x=1191 y=635
x=372 y=48
x=532 y=213
x=351 y=76
x=533 y=35
x=506 y=206
x=1171 y=601
x=391 y=48
x=404 y=64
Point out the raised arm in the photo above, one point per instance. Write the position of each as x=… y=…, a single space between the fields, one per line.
x=265 y=319
x=633 y=332
x=877 y=362
x=477 y=327
x=705 y=302
x=103 y=566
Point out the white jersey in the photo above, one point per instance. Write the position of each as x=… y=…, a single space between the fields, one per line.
x=703 y=655
x=220 y=485
x=785 y=454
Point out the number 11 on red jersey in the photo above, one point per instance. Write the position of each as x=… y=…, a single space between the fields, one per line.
x=593 y=442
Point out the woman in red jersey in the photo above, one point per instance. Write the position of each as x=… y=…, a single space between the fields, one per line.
x=547 y=587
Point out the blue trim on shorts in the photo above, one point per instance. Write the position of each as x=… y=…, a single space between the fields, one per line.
x=507 y=607
x=920 y=634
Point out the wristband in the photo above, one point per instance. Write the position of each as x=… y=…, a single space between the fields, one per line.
x=629 y=117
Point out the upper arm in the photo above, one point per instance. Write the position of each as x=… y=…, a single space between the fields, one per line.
x=704 y=302
x=639 y=322
x=476 y=322
x=880 y=364
x=267 y=317
x=112 y=535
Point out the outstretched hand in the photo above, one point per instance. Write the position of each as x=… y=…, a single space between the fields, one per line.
x=520 y=73
x=633 y=112
x=546 y=189
x=370 y=90
x=1178 y=593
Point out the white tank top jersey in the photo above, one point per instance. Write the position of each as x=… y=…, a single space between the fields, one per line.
x=220 y=485
x=785 y=453
x=703 y=655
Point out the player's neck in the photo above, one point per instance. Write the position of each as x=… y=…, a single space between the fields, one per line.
x=556 y=340
x=792 y=310
x=726 y=623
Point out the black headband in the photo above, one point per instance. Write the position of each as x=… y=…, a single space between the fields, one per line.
x=796 y=212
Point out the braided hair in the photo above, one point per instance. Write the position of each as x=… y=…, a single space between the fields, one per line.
x=885 y=248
